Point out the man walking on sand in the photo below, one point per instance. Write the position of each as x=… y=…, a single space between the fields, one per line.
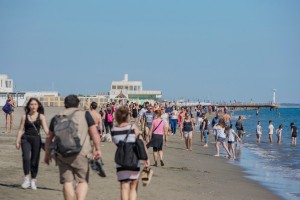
x=75 y=168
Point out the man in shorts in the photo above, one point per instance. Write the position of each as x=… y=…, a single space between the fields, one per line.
x=75 y=168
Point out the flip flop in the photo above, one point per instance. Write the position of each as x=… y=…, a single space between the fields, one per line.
x=147 y=174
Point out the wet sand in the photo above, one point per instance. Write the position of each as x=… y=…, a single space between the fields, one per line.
x=186 y=175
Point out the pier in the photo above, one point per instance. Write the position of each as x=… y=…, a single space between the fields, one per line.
x=246 y=106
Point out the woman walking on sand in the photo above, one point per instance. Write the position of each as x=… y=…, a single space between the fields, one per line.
x=221 y=138
x=29 y=139
x=174 y=120
x=187 y=129
x=156 y=135
x=128 y=178
x=8 y=109
x=165 y=117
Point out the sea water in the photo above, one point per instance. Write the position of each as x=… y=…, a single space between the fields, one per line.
x=275 y=166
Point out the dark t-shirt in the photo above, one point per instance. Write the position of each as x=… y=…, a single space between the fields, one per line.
x=89 y=119
x=239 y=125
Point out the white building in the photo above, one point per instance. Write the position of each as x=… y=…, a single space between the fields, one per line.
x=6 y=87
x=6 y=84
x=132 y=90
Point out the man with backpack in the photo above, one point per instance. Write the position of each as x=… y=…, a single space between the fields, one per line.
x=72 y=126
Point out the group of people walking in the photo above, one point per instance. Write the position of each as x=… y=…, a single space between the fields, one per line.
x=156 y=123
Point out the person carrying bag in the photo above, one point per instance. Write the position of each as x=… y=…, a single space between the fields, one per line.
x=127 y=139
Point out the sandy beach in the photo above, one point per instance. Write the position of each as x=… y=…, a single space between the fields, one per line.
x=185 y=176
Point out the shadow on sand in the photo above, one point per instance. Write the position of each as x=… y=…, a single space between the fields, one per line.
x=19 y=187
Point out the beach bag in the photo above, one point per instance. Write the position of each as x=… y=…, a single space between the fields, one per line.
x=140 y=148
x=67 y=141
x=126 y=155
x=7 y=108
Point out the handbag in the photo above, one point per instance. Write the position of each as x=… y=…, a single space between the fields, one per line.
x=140 y=148
x=126 y=155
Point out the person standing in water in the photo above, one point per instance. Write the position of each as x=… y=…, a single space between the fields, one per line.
x=258 y=132
x=278 y=133
x=294 y=133
x=271 y=131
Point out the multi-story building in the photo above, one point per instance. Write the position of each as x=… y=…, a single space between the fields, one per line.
x=133 y=91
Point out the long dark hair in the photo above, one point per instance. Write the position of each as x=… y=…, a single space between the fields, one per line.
x=40 y=109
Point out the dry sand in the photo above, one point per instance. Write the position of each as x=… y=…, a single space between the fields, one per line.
x=185 y=176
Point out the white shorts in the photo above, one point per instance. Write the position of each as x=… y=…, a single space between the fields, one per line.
x=187 y=134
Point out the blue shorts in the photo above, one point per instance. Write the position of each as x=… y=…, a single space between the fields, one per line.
x=220 y=139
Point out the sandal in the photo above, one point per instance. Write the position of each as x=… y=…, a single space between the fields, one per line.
x=147 y=174
x=162 y=163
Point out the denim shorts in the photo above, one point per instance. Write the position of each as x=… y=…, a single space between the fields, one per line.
x=221 y=139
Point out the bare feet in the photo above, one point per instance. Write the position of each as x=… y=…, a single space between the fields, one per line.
x=217 y=155
x=206 y=145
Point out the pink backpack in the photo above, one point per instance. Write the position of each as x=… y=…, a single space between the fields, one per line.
x=109 y=116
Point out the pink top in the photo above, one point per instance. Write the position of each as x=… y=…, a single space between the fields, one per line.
x=160 y=129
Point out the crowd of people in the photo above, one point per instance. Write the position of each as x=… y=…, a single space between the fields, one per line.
x=156 y=122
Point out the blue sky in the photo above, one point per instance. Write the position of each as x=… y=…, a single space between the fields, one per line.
x=219 y=50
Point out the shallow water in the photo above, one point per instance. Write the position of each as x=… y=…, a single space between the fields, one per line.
x=275 y=166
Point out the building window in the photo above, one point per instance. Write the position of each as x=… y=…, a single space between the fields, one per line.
x=126 y=87
x=113 y=87
x=119 y=87
x=8 y=84
x=131 y=88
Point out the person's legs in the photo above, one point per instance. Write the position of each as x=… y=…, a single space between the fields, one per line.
x=173 y=126
x=190 y=141
x=26 y=149
x=233 y=150
x=201 y=135
x=124 y=190
x=165 y=135
x=205 y=137
x=147 y=134
x=217 y=149
x=68 y=191
x=35 y=155
x=186 y=142
x=226 y=148
x=161 y=155
x=11 y=119
x=110 y=124
x=271 y=138
x=81 y=190
x=106 y=127
x=155 y=156
x=6 y=122
x=133 y=189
